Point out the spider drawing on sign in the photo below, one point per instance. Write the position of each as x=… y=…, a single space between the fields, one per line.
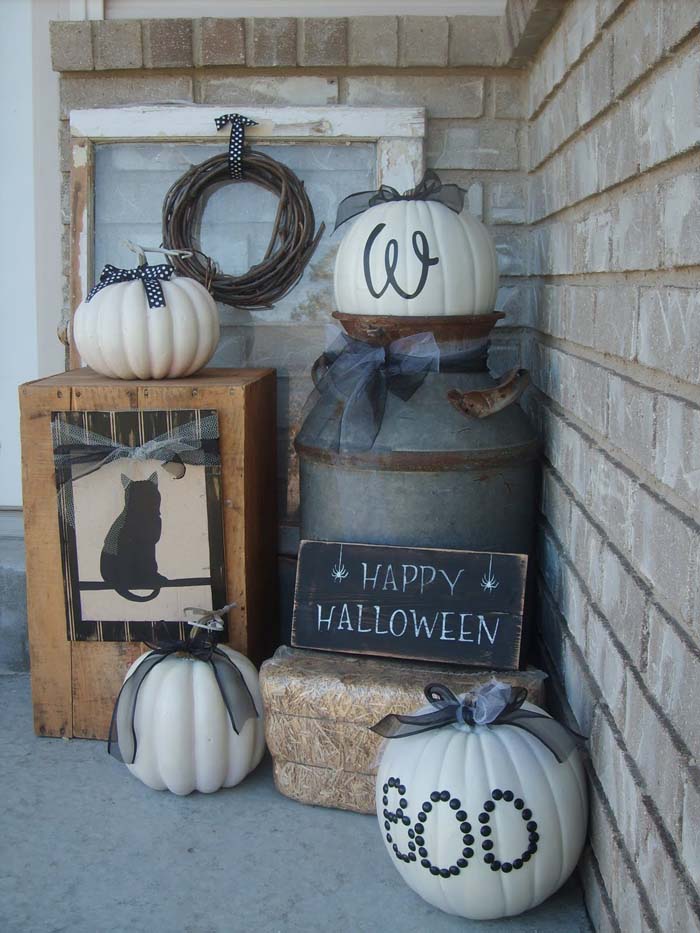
x=338 y=572
x=488 y=582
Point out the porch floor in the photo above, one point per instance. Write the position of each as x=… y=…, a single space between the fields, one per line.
x=87 y=847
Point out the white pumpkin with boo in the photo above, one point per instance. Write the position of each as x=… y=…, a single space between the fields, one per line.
x=185 y=741
x=118 y=335
x=508 y=826
x=374 y=277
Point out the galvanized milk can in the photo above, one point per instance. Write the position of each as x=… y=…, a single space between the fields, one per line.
x=453 y=466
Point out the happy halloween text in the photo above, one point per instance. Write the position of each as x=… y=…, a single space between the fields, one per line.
x=419 y=579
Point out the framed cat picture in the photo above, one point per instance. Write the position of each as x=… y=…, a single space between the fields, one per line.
x=139 y=506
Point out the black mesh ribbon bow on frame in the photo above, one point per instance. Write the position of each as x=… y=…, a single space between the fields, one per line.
x=358 y=377
x=429 y=189
x=494 y=704
x=235 y=144
x=150 y=276
x=79 y=451
x=122 y=743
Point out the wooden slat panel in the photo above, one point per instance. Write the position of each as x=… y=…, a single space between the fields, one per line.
x=261 y=517
x=84 y=376
x=48 y=645
x=188 y=122
x=98 y=668
x=82 y=199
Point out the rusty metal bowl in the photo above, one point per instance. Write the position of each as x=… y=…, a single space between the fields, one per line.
x=448 y=330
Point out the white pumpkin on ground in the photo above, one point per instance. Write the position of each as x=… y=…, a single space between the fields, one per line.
x=185 y=740
x=414 y=258
x=481 y=821
x=118 y=335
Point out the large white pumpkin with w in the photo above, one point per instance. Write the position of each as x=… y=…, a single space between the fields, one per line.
x=416 y=257
x=481 y=821
x=185 y=740
x=118 y=335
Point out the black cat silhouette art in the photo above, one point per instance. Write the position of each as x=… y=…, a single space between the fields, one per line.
x=128 y=559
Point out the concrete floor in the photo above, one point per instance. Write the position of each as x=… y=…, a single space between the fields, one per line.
x=86 y=847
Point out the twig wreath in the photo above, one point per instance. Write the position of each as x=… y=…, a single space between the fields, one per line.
x=294 y=236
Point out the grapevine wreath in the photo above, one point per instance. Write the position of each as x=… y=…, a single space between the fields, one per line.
x=294 y=236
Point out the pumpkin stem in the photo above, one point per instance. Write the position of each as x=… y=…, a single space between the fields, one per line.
x=142 y=250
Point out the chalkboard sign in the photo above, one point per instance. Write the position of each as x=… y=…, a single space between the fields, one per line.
x=459 y=607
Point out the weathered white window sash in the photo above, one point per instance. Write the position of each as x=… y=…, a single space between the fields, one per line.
x=399 y=136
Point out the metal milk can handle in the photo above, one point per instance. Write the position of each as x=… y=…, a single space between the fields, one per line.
x=319 y=369
x=480 y=403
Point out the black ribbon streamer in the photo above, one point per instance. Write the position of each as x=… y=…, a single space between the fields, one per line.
x=235 y=144
x=357 y=377
x=149 y=275
x=559 y=739
x=234 y=690
x=429 y=189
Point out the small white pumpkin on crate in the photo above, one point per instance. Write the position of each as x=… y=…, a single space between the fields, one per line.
x=146 y=322
x=482 y=801
x=189 y=715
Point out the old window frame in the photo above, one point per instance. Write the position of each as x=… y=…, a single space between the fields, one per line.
x=398 y=133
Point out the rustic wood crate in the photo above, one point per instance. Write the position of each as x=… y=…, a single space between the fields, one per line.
x=319 y=708
x=74 y=683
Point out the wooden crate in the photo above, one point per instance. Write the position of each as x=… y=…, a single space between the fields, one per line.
x=74 y=683
x=319 y=708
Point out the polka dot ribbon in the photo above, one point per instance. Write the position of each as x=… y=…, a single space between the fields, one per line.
x=235 y=143
x=149 y=275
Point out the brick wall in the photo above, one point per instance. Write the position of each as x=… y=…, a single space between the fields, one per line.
x=609 y=325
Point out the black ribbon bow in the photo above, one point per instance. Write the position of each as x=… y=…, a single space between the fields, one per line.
x=235 y=144
x=149 y=275
x=122 y=743
x=429 y=189
x=79 y=452
x=352 y=381
x=558 y=738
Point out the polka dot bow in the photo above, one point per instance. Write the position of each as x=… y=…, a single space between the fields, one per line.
x=149 y=275
x=235 y=143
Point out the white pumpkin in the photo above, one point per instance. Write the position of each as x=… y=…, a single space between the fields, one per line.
x=482 y=822
x=119 y=336
x=185 y=740
x=416 y=258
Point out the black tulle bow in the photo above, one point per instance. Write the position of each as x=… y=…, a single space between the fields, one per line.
x=237 y=697
x=481 y=709
x=355 y=378
x=150 y=276
x=429 y=189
